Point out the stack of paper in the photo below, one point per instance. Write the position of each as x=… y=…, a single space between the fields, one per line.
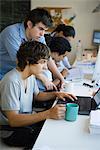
x=94 y=126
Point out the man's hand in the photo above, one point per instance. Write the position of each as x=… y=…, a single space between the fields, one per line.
x=61 y=83
x=53 y=68
x=50 y=86
x=64 y=72
x=62 y=95
x=57 y=112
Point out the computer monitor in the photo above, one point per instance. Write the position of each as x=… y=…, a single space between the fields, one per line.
x=96 y=37
x=96 y=74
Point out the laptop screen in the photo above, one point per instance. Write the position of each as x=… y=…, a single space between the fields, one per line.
x=97 y=97
x=86 y=104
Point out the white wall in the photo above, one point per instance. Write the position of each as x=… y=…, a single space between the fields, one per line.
x=85 y=21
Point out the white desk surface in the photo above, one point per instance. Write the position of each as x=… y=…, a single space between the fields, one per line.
x=64 y=135
x=80 y=90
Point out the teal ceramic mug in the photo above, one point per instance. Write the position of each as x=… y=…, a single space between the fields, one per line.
x=71 y=111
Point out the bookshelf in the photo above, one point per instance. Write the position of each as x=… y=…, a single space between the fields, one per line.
x=56 y=13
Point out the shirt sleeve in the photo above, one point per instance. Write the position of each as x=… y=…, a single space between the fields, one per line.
x=66 y=62
x=10 y=97
x=11 y=41
x=60 y=66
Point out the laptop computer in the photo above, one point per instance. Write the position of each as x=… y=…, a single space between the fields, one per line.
x=86 y=104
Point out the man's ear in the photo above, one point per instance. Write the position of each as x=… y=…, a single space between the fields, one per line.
x=61 y=34
x=29 y=24
x=54 y=55
x=27 y=62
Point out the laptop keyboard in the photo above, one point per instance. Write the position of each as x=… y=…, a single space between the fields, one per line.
x=85 y=104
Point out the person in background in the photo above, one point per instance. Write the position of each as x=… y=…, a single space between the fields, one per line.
x=65 y=31
x=59 y=48
x=33 y=28
x=18 y=91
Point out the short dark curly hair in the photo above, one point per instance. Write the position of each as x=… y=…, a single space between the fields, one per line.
x=31 y=53
x=39 y=15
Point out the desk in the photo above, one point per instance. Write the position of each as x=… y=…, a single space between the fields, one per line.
x=64 y=135
x=80 y=90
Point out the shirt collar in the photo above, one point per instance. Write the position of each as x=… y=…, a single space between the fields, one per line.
x=22 y=32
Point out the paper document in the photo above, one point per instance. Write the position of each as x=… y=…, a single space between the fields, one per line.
x=87 y=67
x=74 y=74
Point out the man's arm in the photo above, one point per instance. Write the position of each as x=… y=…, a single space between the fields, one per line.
x=46 y=96
x=56 y=81
x=16 y=119
x=53 y=68
x=19 y=120
x=48 y=84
